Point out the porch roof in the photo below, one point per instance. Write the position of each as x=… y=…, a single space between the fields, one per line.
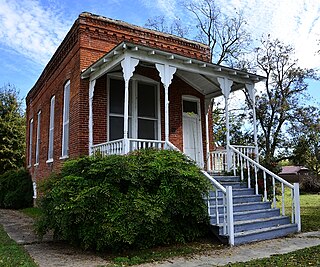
x=199 y=74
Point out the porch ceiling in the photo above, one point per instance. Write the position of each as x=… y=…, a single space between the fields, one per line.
x=201 y=75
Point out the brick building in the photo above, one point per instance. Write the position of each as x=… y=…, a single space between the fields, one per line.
x=114 y=87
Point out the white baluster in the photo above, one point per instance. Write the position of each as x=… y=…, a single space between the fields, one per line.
x=292 y=204
x=217 y=208
x=224 y=215
x=241 y=168
x=256 y=180
x=234 y=165
x=265 y=185
x=249 y=175
x=282 y=192
x=274 y=193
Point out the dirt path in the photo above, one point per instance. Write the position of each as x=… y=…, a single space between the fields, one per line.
x=47 y=253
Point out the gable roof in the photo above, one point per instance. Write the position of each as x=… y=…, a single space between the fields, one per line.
x=292 y=169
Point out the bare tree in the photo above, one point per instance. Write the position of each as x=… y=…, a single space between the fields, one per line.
x=225 y=35
x=160 y=23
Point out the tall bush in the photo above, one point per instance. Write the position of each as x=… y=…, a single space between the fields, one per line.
x=16 y=189
x=149 y=197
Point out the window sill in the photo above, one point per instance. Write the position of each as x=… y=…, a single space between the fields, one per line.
x=29 y=166
x=49 y=161
x=64 y=157
x=36 y=165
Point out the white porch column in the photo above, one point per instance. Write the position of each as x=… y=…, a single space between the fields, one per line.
x=251 y=92
x=225 y=85
x=207 y=106
x=91 y=92
x=166 y=74
x=128 y=66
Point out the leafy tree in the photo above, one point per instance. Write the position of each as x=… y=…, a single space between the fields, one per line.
x=12 y=129
x=279 y=102
x=306 y=142
x=238 y=134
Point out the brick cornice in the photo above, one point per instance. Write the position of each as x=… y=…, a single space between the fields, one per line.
x=102 y=28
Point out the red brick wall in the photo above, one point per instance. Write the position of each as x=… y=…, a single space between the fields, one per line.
x=39 y=98
x=89 y=39
x=99 y=104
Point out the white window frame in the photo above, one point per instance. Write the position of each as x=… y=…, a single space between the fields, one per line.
x=65 y=122
x=30 y=142
x=51 y=130
x=135 y=79
x=38 y=138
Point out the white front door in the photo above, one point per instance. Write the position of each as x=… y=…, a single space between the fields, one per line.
x=192 y=137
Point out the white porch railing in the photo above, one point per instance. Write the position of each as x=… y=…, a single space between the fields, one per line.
x=218 y=158
x=115 y=147
x=135 y=144
x=245 y=163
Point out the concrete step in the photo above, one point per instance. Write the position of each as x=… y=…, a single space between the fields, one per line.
x=244 y=207
x=222 y=179
x=265 y=233
x=237 y=199
x=235 y=192
x=242 y=226
x=247 y=215
x=233 y=184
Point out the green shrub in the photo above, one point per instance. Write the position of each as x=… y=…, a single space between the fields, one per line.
x=16 y=189
x=147 y=198
x=310 y=184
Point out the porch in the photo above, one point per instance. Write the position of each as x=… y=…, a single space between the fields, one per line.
x=152 y=97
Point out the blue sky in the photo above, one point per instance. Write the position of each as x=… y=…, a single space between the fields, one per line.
x=31 y=30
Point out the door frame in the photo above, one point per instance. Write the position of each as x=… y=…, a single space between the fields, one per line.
x=199 y=117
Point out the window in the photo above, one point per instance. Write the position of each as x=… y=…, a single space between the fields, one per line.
x=65 y=129
x=143 y=110
x=51 y=130
x=116 y=109
x=30 y=142
x=38 y=137
x=147 y=111
x=190 y=107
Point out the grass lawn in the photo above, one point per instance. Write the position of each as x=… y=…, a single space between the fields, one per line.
x=163 y=253
x=309 y=210
x=11 y=254
x=32 y=212
x=303 y=257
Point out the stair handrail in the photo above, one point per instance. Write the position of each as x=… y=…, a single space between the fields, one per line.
x=294 y=187
x=228 y=222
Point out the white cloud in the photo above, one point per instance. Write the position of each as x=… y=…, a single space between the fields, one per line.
x=295 y=22
x=168 y=8
x=31 y=29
